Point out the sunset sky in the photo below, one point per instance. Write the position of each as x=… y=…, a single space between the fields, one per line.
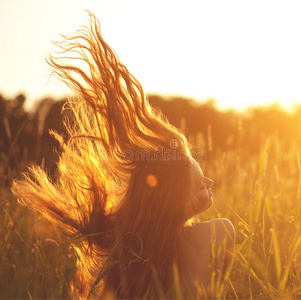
x=240 y=53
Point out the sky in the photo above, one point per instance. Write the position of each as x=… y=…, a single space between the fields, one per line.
x=240 y=53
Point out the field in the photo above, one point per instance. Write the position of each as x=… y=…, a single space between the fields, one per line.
x=258 y=190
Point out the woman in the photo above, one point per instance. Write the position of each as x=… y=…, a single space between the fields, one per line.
x=127 y=185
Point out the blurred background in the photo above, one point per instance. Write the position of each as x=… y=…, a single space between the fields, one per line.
x=239 y=53
x=227 y=73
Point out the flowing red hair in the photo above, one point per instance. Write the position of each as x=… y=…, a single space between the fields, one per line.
x=123 y=175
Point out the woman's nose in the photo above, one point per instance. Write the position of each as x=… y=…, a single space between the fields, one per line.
x=208 y=182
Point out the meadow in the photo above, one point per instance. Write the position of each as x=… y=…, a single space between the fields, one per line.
x=257 y=175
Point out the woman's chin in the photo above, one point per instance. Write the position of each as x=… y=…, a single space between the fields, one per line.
x=203 y=209
x=210 y=201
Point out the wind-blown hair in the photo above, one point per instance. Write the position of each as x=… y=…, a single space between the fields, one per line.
x=129 y=209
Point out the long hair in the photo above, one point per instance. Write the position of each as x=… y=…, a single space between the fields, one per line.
x=123 y=174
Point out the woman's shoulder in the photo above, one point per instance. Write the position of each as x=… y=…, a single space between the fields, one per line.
x=209 y=248
x=219 y=227
x=222 y=228
x=214 y=238
x=213 y=232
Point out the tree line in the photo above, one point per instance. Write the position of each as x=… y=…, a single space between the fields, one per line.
x=25 y=138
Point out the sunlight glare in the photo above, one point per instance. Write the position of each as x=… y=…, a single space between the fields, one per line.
x=238 y=53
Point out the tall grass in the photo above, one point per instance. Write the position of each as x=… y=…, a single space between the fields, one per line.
x=260 y=194
x=35 y=262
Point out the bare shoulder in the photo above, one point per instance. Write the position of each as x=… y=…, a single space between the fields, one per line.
x=222 y=228
x=216 y=234
x=223 y=233
x=211 y=240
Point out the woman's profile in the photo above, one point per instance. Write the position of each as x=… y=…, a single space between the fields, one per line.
x=126 y=186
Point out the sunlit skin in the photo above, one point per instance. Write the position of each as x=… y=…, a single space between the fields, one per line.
x=204 y=238
x=201 y=189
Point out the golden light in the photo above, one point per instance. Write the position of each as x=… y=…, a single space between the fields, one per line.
x=151 y=180
x=236 y=52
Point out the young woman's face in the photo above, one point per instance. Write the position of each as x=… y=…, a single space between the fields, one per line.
x=201 y=192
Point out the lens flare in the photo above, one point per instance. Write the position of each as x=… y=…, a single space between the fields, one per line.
x=151 y=180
